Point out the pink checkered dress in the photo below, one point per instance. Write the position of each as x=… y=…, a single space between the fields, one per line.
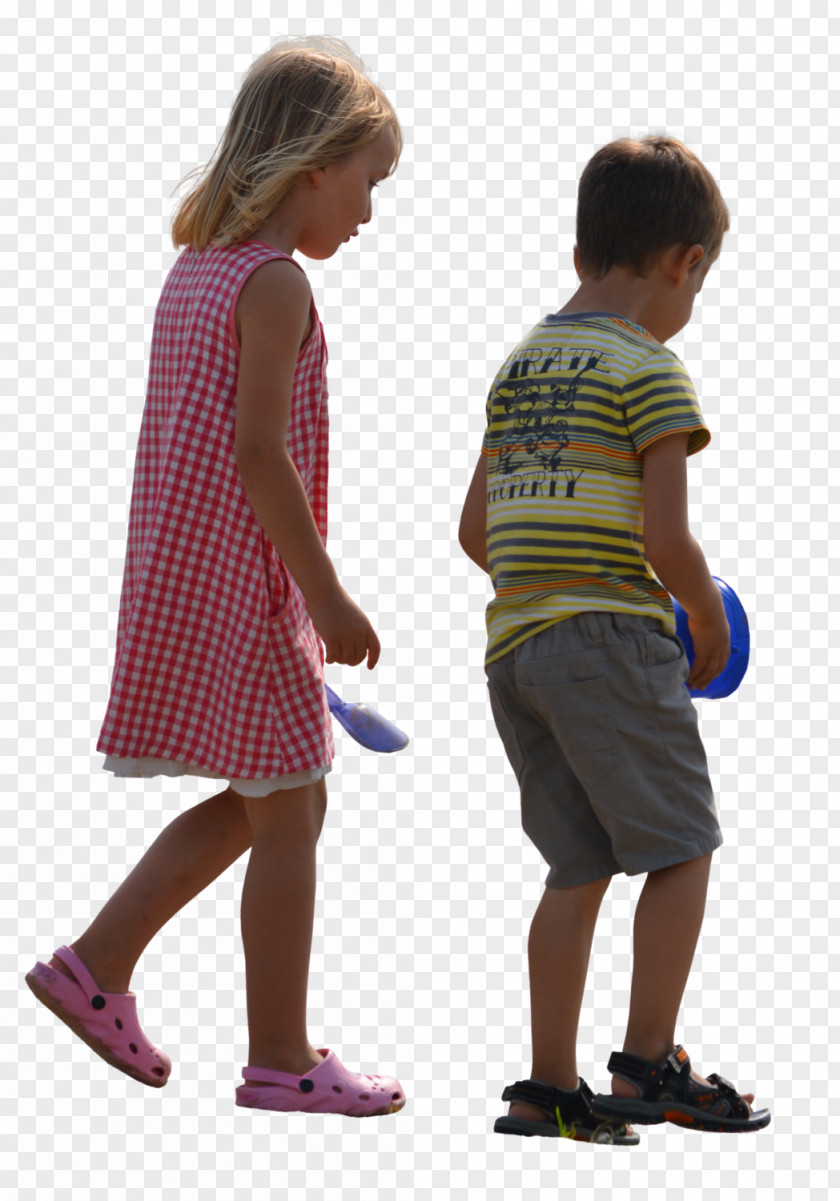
x=218 y=664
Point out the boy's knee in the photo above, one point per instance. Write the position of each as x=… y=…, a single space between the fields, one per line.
x=700 y=864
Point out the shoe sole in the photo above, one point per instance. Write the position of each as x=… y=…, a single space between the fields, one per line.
x=375 y=1113
x=652 y=1113
x=526 y=1129
x=96 y=1044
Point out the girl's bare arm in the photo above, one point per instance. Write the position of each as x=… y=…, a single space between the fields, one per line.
x=272 y=315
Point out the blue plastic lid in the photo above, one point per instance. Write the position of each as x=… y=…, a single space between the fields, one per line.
x=735 y=670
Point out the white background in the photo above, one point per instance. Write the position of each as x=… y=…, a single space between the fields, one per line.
x=426 y=882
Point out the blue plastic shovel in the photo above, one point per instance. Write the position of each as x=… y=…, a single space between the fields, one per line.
x=369 y=728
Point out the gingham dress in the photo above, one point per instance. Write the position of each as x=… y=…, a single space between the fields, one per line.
x=218 y=669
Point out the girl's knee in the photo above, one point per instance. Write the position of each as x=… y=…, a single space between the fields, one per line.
x=288 y=811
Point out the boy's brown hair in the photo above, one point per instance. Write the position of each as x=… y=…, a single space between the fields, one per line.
x=639 y=197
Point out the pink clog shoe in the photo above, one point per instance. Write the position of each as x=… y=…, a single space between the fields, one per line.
x=106 y=1021
x=328 y=1088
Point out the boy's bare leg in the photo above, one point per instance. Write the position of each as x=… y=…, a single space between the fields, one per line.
x=185 y=857
x=278 y=910
x=669 y=914
x=559 y=946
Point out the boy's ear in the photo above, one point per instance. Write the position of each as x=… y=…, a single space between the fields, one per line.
x=694 y=255
x=680 y=261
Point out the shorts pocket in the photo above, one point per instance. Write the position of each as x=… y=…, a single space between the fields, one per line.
x=663 y=650
x=580 y=715
x=507 y=731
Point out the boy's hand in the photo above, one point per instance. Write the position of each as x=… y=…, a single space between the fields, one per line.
x=712 y=648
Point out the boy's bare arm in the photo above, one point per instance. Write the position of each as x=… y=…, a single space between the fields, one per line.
x=677 y=560
x=472 y=532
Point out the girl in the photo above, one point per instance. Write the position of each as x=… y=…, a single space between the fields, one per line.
x=227 y=584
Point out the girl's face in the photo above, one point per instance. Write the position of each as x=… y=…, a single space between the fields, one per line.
x=339 y=199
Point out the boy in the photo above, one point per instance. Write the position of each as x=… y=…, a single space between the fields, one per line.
x=578 y=512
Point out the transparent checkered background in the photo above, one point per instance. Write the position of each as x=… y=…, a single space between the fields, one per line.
x=426 y=882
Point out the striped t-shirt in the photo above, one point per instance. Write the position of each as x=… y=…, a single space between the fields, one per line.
x=568 y=416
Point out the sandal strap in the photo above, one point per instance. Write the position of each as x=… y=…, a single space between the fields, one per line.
x=544 y=1096
x=740 y=1108
x=574 y=1107
x=572 y=1102
x=649 y=1078
x=643 y=1073
x=265 y=1075
x=83 y=976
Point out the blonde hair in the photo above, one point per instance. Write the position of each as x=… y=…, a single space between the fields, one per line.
x=305 y=103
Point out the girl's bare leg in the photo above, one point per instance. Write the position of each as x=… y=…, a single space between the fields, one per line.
x=278 y=910
x=278 y=907
x=186 y=856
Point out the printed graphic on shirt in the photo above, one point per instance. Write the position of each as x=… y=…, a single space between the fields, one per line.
x=569 y=416
x=540 y=429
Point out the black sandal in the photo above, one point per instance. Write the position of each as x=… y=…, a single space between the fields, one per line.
x=667 y=1093
x=569 y=1112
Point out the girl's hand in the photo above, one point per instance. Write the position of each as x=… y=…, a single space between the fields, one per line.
x=347 y=634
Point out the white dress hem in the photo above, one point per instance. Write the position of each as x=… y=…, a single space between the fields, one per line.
x=147 y=767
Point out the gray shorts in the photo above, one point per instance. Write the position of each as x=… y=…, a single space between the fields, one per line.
x=602 y=735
